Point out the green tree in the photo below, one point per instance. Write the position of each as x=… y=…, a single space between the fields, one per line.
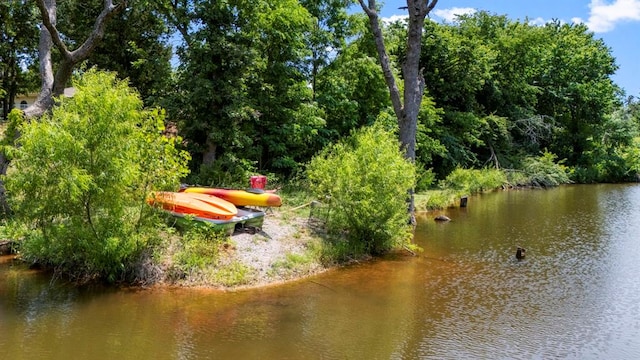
x=328 y=34
x=406 y=107
x=53 y=83
x=577 y=90
x=244 y=96
x=366 y=178
x=612 y=153
x=135 y=43
x=509 y=90
x=351 y=90
x=18 y=43
x=212 y=108
x=456 y=67
x=288 y=124
x=80 y=178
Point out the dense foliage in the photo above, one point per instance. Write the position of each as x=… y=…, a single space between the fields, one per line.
x=365 y=179
x=79 y=178
x=18 y=42
x=264 y=86
x=135 y=45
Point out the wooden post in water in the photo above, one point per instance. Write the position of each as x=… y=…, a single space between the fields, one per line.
x=463 y=201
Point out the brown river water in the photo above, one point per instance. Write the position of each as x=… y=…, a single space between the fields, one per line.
x=576 y=295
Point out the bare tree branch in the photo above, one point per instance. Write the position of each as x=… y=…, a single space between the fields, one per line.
x=47 y=10
x=385 y=63
x=108 y=11
x=48 y=13
x=53 y=85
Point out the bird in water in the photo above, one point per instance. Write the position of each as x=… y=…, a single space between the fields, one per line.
x=520 y=253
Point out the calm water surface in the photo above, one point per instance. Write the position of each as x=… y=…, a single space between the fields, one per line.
x=576 y=296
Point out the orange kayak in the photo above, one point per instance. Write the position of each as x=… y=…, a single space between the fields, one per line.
x=239 y=197
x=204 y=206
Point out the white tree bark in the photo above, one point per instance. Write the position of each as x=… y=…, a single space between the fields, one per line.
x=53 y=84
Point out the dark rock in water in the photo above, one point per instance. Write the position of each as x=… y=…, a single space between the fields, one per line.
x=441 y=218
x=520 y=253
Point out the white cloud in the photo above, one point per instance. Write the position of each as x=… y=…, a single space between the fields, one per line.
x=538 y=21
x=542 y=22
x=604 y=16
x=577 y=20
x=451 y=14
x=393 y=18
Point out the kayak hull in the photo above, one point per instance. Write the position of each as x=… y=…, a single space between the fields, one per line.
x=198 y=205
x=239 y=197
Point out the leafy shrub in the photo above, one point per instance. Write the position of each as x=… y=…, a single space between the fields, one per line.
x=632 y=160
x=437 y=199
x=79 y=178
x=545 y=171
x=366 y=179
x=474 y=180
x=425 y=179
x=618 y=164
x=200 y=247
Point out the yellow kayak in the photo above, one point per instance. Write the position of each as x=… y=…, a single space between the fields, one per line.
x=239 y=197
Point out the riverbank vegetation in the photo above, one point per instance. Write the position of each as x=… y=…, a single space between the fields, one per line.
x=292 y=90
x=364 y=181
x=80 y=177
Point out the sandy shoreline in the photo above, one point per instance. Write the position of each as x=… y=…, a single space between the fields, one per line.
x=262 y=251
x=279 y=252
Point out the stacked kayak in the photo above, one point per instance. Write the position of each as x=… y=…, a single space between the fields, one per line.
x=206 y=208
x=253 y=197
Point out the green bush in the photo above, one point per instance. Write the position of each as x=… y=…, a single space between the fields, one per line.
x=632 y=159
x=545 y=171
x=438 y=199
x=367 y=180
x=425 y=178
x=80 y=175
x=474 y=180
x=199 y=248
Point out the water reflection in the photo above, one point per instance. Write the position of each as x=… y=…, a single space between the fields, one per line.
x=466 y=296
x=556 y=303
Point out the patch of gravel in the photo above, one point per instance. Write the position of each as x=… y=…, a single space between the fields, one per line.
x=264 y=249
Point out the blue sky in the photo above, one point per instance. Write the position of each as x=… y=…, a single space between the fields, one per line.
x=617 y=22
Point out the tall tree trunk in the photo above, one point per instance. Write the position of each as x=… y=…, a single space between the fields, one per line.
x=406 y=109
x=53 y=85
